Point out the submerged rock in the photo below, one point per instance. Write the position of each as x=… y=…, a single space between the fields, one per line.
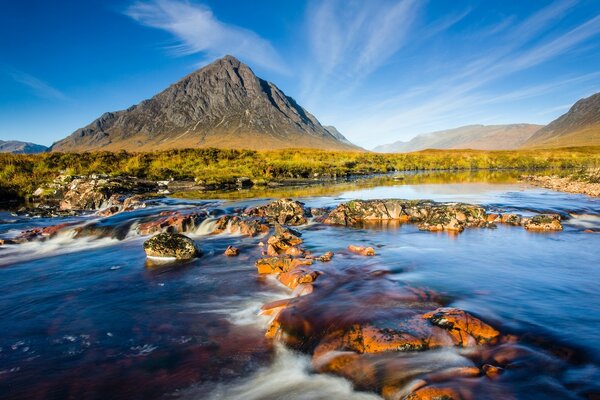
x=363 y=251
x=171 y=245
x=231 y=251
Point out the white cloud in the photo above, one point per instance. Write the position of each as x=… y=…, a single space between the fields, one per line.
x=348 y=40
x=197 y=30
x=39 y=87
x=461 y=92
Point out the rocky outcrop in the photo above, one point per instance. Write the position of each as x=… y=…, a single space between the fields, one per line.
x=432 y=216
x=96 y=192
x=543 y=222
x=171 y=245
x=282 y=211
x=173 y=222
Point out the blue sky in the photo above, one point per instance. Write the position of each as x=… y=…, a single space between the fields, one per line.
x=380 y=71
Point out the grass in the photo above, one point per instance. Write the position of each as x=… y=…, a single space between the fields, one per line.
x=21 y=174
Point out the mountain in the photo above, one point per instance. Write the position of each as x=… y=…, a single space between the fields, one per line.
x=221 y=105
x=477 y=137
x=16 y=147
x=580 y=126
x=336 y=134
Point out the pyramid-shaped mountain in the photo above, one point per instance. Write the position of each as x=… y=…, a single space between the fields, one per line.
x=221 y=105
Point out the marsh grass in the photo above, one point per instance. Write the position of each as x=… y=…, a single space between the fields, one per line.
x=21 y=174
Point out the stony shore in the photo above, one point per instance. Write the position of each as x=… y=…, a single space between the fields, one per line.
x=563 y=184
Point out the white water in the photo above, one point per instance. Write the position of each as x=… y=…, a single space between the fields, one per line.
x=288 y=377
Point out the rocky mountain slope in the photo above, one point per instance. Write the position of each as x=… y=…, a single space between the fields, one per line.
x=222 y=105
x=580 y=126
x=478 y=137
x=17 y=147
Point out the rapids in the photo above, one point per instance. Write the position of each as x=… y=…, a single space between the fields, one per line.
x=84 y=316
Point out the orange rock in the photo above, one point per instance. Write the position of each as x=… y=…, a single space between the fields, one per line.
x=232 y=251
x=492 y=371
x=297 y=276
x=325 y=257
x=457 y=322
x=434 y=393
x=277 y=265
x=294 y=251
x=375 y=340
x=303 y=289
x=363 y=251
x=274 y=307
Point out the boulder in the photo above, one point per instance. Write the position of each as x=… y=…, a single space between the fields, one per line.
x=171 y=245
x=282 y=211
x=278 y=265
x=543 y=222
x=458 y=322
x=173 y=222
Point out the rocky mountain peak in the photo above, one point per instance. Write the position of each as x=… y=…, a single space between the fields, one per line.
x=223 y=104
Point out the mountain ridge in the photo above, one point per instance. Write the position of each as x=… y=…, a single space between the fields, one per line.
x=579 y=126
x=475 y=137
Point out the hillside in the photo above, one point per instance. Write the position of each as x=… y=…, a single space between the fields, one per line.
x=222 y=105
x=580 y=126
x=476 y=137
x=17 y=147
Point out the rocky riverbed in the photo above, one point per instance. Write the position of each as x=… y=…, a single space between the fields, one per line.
x=332 y=284
x=587 y=182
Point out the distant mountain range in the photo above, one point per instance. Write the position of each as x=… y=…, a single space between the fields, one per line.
x=477 y=137
x=221 y=105
x=14 y=146
x=580 y=126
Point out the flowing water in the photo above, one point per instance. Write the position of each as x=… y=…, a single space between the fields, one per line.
x=87 y=318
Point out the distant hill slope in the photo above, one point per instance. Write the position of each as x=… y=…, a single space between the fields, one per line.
x=221 y=105
x=14 y=146
x=477 y=137
x=580 y=126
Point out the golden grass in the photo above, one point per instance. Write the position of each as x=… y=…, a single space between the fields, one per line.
x=21 y=174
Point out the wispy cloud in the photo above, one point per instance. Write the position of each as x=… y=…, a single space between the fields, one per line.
x=197 y=30
x=469 y=80
x=39 y=87
x=348 y=40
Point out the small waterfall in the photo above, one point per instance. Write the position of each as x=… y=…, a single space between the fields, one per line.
x=206 y=227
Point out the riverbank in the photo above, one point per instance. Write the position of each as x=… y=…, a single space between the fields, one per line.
x=211 y=169
x=581 y=182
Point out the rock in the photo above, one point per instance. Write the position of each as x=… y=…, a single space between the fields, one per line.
x=173 y=222
x=434 y=393
x=232 y=251
x=511 y=219
x=456 y=321
x=171 y=245
x=430 y=215
x=325 y=257
x=284 y=241
x=492 y=371
x=543 y=222
x=245 y=226
x=296 y=276
x=363 y=251
x=277 y=265
x=244 y=183
x=120 y=203
x=283 y=211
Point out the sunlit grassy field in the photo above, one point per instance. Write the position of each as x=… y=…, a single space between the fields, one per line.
x=21 y=174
